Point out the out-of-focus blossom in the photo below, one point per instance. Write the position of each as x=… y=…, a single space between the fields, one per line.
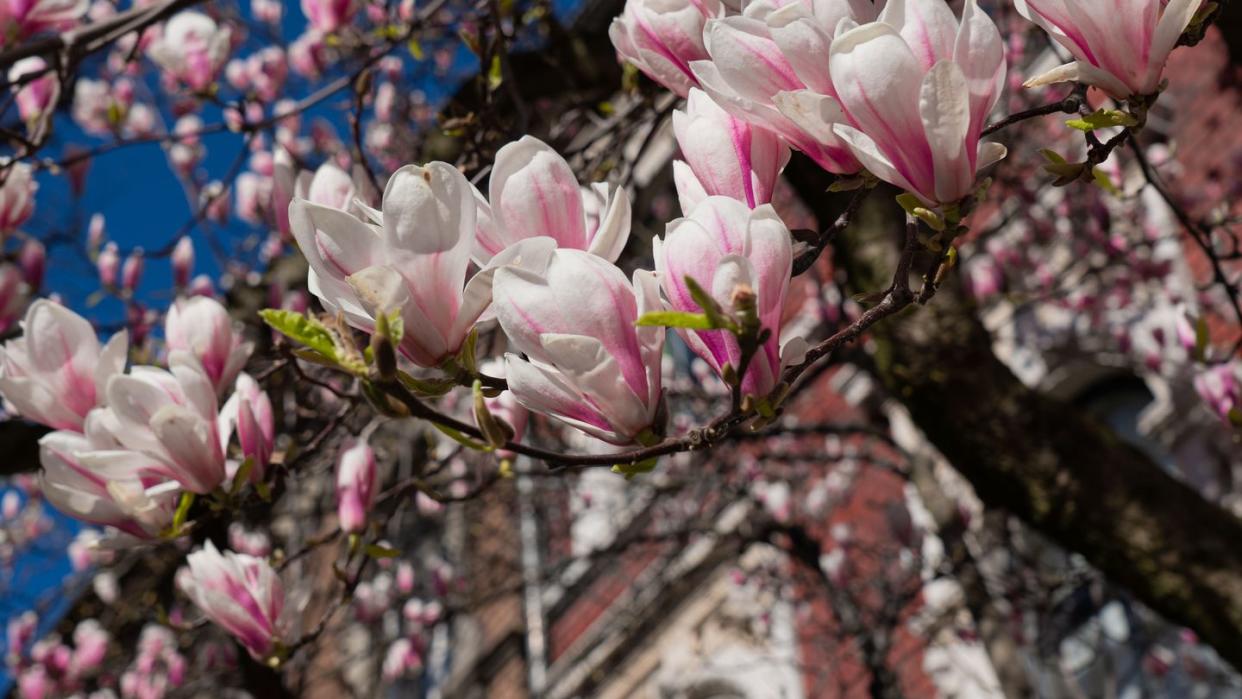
x=33 y=259
x=95 y=232
x=182 y=261
x=1120 y=49
x=328 y=15
x=268 y=11
x=192 y=49
x=1218 y=387
x=94 y=107
x=724 y=155
x=916 y=87
x=108 y=264
x=307 y=55
x=17 y=196
x=355 y=486
x=413 y=256
x=202 y=327
x=36 y=94
x=13 y=295
x=662 y=37
x=23 y=18
x=241 y=593
x=131 y=271
x=90 y=646
x=267 y=70
x=533 y=192
x=252 y=543
x=588 y=364
x=249 y=412
x=57 y=371
x=187 y=152
x=729 y=250
x=157 y=668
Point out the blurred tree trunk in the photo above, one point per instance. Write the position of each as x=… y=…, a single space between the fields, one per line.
x=1046 y=461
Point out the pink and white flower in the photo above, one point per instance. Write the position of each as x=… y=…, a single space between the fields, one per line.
x=106 y=491
x=57 y=371
x=243 y=594
x=412 y=255
x=533 y=192
x=328 y=15
x=355 y=486
x=17 y=196
x=192 y=49
x=249 y=412
x=37 y=95
x=771 y=49
x=662 y=37
x=1120 y=48
x=916 y=87
x=726 y=247
x=202 y=326
x=724 y=155
x=165 y=422
x=588 y=365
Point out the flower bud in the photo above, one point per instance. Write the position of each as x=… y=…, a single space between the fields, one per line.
x=182 y=261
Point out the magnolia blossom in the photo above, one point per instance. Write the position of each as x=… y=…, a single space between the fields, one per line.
x=192 y=49
x=13 y=293
x=724 y=155
x=106 y=491
x=588 y=364
x=165 y=422
x=1120 y=48
x=249 y=412
x=728 y=249
x=328 y=15
x=771 y=49
x=57 y=371
x=17 y=192
x=202 y=326
x=22 y=18
x=241 y=593
x=504 y=407
x=916 y=87
x=1218 y=387
x=662 y=37
x=413 y=255
x=183 y=261
x=37 y=95
x=533 y=192
x=355 y=486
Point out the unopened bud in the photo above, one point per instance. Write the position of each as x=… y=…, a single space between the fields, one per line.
x=382 y=349
x=496 y=431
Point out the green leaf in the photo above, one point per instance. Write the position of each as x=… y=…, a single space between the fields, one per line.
x=676 y=319
x=495 y=76
x=631 y=470
x=1053 y=157
x=427 y=388
x=183 y=511
x=416 y=50
x=377 y=551
x=1235 y=416
x=1102 y=119
x=1202 y=337
x=715 y=315
x=462 y=439
x=242 y=475
x=302 y=329
x=1104 y=182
